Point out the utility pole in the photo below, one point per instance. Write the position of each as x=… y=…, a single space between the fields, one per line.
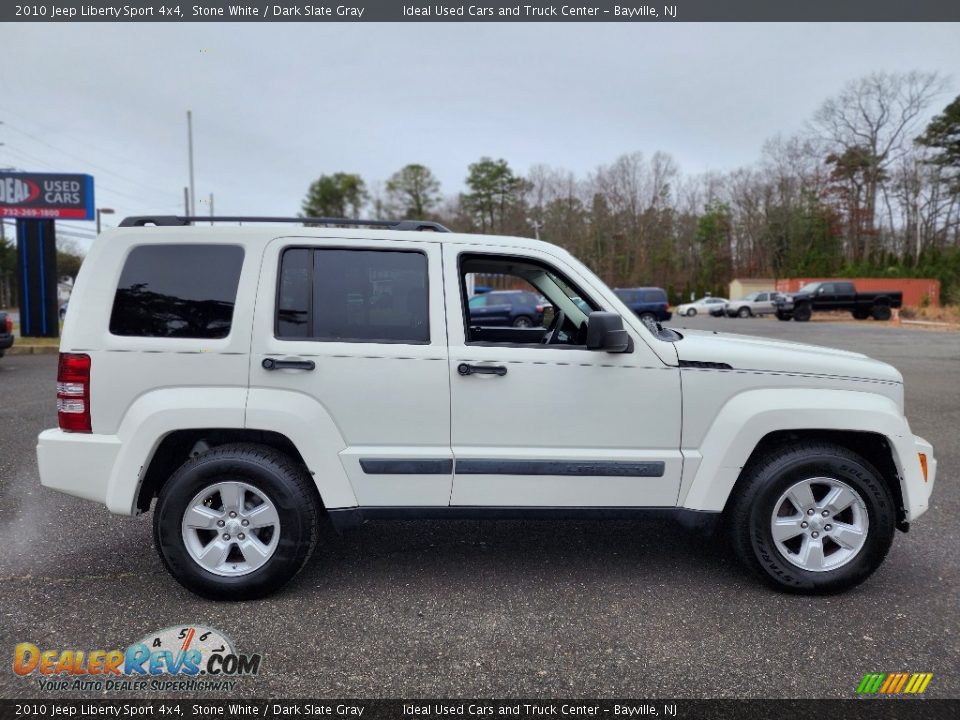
x=193 y=197
x=186 y=202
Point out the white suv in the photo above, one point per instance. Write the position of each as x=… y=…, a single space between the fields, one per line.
x=255 y=380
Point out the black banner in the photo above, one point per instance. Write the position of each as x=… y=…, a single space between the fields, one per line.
x=863 y=709
x=480 y=11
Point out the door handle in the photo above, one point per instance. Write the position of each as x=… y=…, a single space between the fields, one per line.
x=273 y=364
x=465 y=369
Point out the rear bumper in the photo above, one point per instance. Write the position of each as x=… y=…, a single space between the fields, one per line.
x=6 y=342
x=78 y=464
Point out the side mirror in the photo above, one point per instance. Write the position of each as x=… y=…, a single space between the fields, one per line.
x=605 y=332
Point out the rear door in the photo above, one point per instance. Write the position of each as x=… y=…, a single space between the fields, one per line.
x=358 y=326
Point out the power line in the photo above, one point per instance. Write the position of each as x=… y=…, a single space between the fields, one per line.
x=68 y=153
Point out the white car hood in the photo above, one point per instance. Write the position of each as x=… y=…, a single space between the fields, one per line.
x=744 y=352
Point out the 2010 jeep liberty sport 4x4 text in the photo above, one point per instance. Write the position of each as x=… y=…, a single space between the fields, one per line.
x=254 y=380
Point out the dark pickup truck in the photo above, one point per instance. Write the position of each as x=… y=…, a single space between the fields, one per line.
x=6 y=333
x=835 y=295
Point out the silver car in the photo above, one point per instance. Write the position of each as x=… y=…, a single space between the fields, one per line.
x=754 y=304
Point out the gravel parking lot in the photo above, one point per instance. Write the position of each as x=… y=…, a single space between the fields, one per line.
x=578 y=609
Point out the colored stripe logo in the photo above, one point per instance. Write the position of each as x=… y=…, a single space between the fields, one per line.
x=894 y=683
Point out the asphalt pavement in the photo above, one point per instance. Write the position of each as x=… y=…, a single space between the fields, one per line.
x=503 y=609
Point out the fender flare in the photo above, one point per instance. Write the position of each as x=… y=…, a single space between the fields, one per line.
x=711 y=472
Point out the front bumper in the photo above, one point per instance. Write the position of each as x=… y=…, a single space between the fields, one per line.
x=917 y=487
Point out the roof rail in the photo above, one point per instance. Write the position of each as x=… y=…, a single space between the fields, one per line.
x=175 y=220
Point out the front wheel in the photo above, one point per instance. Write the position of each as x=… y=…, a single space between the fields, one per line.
x=744 y=312
x=236 y=522
x=783 y=317
x=881 y=312
x=812 y=517
x=802 y=313
x=691 y=312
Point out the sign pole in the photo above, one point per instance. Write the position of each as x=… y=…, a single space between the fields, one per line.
x=36 y=201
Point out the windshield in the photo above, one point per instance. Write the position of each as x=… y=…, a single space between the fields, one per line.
x=809 y=287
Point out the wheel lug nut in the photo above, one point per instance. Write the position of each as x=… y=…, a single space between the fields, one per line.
x=244 y=522
x=804 y=524
x=810 y=511
x=824 y=513
x=241 y=536
x=828 y=528
x=226 y=536
x=233 y=513
x=815 y=534
x=220 y=523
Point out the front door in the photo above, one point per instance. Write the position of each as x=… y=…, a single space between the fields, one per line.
x=355 y=331
x=537 y=420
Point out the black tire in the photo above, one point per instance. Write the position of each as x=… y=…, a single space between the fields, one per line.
x=648 y=318
x=751 y=509
x=288 y=486
x=784 y=317
x=860 y=314
x=522 y=321
x=691 y=312
x=802 y=313
x=744 y=312
x=881 y=312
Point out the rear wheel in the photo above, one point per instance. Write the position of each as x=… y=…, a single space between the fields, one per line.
x=691 y=312
x=812 y=517
x=523 y=322
x=802 y=313
x=881 y=312
x=744 y=312
x=860 y=314
x=236 y=522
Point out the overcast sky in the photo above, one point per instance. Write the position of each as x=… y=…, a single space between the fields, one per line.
x=277 y=105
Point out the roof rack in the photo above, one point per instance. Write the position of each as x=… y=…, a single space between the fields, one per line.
x=175 y=220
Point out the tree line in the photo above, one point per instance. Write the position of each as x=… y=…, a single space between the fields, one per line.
x=866 y=189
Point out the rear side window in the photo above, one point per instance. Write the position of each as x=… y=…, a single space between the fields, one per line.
x=177 y=291
x=353 y=296
x=654 y=296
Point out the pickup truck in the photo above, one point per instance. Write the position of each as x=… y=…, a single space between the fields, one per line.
x=6 y=333
x=836 y=295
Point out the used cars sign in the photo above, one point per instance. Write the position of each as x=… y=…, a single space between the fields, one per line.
x=46 y=196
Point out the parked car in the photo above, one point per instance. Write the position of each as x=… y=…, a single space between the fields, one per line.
x=517 y=308
x=704 y=305
x=650 y=304
x=247 y=385
x=838 y=295
x=6 y=332
x=753 y=305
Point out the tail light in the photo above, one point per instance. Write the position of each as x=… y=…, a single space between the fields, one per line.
x=539 y=308
x=9 y=325
x=73 y=392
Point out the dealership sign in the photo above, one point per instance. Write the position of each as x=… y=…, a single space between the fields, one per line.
x=46 y=196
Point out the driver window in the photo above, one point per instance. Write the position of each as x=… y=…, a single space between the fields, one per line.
x=517 y=301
